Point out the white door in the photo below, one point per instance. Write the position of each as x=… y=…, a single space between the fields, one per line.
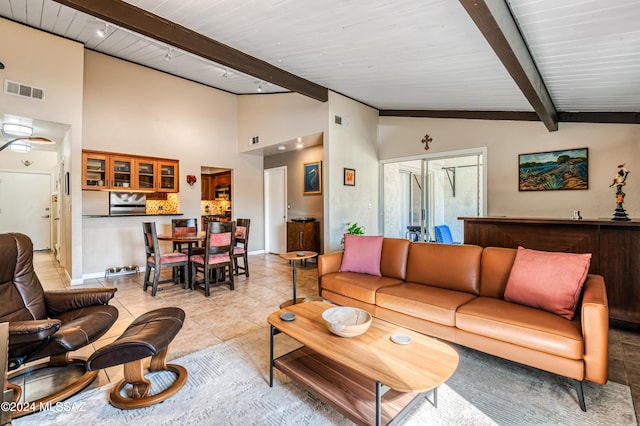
x=25 y=206
x=275 y=198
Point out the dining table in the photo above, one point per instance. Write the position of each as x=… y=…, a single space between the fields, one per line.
x=185 y=238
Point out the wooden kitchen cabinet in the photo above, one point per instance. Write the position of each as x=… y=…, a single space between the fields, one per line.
x=303 y=236
x=113 y=171
x=95 y=171
x=167 y=176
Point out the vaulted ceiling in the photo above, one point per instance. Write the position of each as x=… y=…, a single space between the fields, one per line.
x=547 y=60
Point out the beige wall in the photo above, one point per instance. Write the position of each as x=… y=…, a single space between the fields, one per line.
x=278 y=118
x=609 y=145
x=352 y=146
x=136 y=110
x=56 y=65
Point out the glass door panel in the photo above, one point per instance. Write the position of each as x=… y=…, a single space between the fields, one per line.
x=421 y=193
x=121 y=169
x=146 y=174
x=168 y=180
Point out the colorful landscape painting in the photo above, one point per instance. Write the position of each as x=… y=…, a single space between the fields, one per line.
x=546 y=171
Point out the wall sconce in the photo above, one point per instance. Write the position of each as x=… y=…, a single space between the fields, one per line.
x=191 y=179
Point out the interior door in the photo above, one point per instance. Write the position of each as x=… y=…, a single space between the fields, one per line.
x=275 y=198
x=25 y=206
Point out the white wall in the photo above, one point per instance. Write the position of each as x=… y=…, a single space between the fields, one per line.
x=609 y=145
x=136 y=110
x=352 y=146
x=54 y=64
x=278 y=118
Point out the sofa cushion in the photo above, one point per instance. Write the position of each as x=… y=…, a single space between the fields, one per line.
x=547 y=280
x=522 y=325
x=362 y=254
x=430 y=303
x=393 y=262
x=454 y=267
x=357 y=286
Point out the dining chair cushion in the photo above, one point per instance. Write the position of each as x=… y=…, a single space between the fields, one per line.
x=220 y=239
x=238 y=250
x=241 y=232
x=214 y=259
x=185 y=230
x=169 y=258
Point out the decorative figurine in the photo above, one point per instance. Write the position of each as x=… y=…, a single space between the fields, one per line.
x=619 y=181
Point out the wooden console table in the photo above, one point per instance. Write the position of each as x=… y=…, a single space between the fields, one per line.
x=615 y=247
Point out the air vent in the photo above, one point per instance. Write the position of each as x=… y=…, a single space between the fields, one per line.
x=24 y=90
x=340 y=121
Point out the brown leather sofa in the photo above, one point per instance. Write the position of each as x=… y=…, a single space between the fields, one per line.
x=455 y=292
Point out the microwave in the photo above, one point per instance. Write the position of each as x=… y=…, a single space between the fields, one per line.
x=223 y=192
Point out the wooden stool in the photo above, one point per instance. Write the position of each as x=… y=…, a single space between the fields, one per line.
x=148 y=335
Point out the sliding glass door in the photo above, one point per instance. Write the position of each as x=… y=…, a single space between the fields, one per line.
x=420 y=193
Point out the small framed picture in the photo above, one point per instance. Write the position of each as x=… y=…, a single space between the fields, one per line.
x=350 y=177
x=312 y=178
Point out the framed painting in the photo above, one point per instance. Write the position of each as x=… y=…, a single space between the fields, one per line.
x=312 y=178
x=350 y=177
x=552 y=170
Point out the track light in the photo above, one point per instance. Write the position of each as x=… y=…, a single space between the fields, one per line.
x=102 y=32
x=259 y=89
x=226 y=73
x=169 y=55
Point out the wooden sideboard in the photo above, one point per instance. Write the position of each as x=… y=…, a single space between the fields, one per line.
x=303 y=236
x=615 y=247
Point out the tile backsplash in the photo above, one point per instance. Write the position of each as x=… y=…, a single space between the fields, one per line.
x=169 y=206
x=208 y=207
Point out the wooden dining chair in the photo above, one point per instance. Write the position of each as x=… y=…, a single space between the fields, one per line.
x=157 y=261
x=181 y=227
x=216 y=262
x=241 y=247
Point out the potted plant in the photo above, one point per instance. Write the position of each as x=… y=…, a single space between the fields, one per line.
x=354 y=229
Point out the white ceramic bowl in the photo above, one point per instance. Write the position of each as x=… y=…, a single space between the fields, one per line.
x=346 y=321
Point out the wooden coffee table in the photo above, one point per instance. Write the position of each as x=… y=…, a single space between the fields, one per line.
x=368 y=378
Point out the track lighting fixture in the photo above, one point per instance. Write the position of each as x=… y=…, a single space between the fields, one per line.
x=226 y=73
x=259 y=87
x=169 y=55
x=102 y=32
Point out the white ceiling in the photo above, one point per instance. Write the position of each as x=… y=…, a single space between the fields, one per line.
x=389 y=54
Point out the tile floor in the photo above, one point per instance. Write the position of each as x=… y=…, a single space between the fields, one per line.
x=227 y=314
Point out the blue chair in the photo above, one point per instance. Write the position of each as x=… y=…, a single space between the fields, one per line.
x=443 y=234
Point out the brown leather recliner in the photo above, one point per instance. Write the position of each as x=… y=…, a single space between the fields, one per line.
x=47 y=323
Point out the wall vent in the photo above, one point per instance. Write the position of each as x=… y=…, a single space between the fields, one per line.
x=24 y=90
x=340 y=121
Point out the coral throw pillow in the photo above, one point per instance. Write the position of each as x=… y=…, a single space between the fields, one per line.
x=362 y=254
x=548 y=280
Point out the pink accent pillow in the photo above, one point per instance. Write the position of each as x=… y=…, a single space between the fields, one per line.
x=548 y=280
x=362 y=254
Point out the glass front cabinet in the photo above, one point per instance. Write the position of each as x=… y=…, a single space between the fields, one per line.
x=168 y=176
x=95 y=171
x=111 y=171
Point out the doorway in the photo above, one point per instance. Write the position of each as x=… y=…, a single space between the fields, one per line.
x=275 y=202
x=422 y=192
x=29 y=215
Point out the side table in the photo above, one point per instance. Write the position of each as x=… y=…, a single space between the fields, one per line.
x=293 y=256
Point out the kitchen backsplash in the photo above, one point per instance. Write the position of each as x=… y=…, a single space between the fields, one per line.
x=169 y=206
x=208 y=207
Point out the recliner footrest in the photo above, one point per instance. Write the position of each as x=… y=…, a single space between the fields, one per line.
x=148 y=335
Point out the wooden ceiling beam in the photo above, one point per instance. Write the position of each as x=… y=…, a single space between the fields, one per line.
x=153 y=26
x=494 y=20
x=472 y=115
